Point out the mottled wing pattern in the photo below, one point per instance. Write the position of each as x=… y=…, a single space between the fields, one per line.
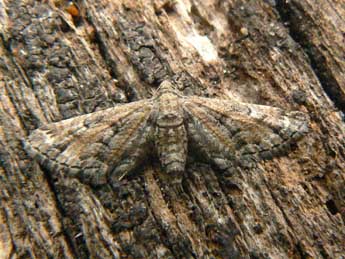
x=96 y=146
x=233 y=133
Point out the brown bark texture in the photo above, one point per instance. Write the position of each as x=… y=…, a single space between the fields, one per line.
x=61 y=59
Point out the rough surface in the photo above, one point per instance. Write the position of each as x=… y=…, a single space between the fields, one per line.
x=61 y=60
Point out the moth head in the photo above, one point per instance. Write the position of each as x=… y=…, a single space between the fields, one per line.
x=167 y=87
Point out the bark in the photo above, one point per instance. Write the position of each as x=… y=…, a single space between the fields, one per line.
x=58 y=62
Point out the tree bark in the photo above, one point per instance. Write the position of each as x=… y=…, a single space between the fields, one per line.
x=60 y=59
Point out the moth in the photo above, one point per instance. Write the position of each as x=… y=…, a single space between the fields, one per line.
x=106 y=145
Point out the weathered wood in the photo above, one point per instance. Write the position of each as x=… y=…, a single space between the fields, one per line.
x=56 y=64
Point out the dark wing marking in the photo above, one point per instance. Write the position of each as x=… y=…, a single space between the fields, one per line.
x=96 y=146
x=230 y=132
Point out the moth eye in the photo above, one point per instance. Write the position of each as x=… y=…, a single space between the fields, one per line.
x=72 y=9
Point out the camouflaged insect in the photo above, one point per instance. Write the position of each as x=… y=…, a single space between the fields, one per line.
x=106 y=145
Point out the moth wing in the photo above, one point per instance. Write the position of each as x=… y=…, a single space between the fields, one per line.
x=234 y=133
x=95 y=146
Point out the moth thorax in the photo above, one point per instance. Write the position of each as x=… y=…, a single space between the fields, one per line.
x=170 y=113
x=169 y=120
